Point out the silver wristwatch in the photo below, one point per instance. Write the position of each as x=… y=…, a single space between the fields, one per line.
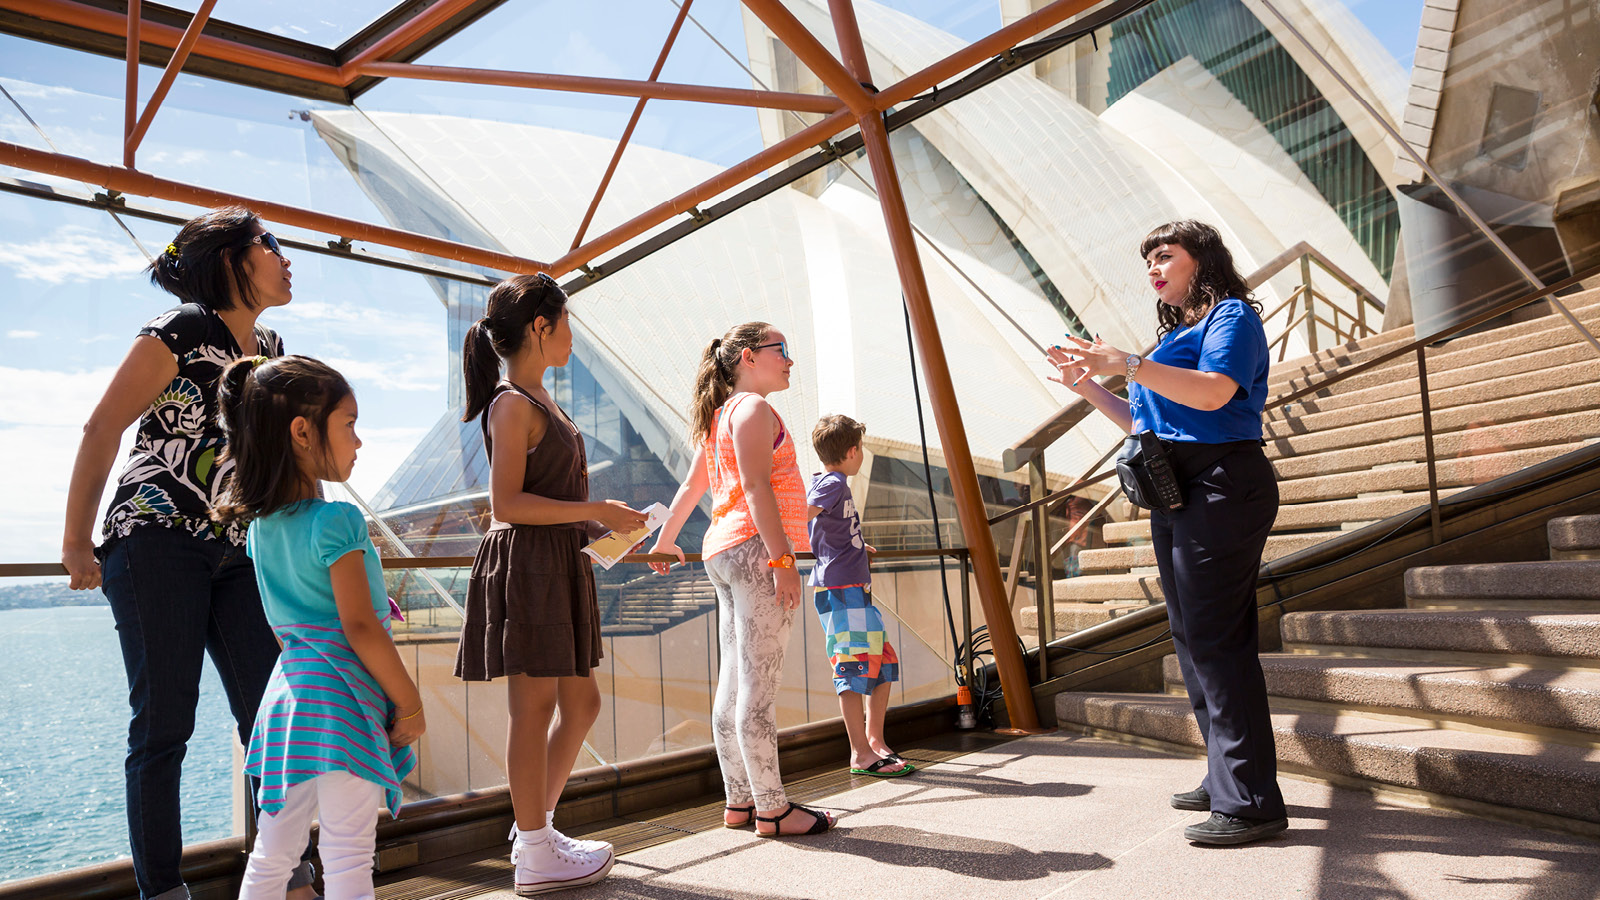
x=1133 y=366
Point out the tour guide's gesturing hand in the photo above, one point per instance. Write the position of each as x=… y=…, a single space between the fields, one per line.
x=1085 y=358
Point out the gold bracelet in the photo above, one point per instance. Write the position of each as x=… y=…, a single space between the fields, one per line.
x=412 y=716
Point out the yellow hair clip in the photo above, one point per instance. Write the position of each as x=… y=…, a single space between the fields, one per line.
x=172 y=250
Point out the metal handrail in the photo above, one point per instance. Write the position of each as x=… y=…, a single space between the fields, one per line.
x=1442 y=334
x=32 y=570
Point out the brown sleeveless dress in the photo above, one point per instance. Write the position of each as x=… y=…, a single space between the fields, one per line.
x=531 y=607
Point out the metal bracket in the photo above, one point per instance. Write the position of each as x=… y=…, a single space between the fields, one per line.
x=699 y=217
x=342 y=245
x=591 y=273
x=111 y=198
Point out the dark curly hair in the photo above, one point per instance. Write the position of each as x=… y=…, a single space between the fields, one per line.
x=1215 y=278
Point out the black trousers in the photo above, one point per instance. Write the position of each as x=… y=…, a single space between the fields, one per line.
x=1209 y=554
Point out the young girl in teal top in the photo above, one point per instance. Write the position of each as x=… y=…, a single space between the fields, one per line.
x=332 y=739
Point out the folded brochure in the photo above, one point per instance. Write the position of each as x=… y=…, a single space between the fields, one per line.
x=610 y=548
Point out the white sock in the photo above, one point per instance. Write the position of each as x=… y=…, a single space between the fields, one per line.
x=550 y=819
x=533 y=836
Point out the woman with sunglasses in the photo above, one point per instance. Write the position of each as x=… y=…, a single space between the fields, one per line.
x=179 y=583
x=758 y=520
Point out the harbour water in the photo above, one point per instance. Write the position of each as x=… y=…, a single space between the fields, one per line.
x=65 y=737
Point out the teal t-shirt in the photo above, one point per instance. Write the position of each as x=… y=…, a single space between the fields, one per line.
x=293 y=548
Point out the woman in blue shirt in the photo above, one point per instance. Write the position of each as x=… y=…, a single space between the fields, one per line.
x=1203 y=390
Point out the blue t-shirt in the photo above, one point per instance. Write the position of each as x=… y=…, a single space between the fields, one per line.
x=836 y=534
x=293 y=548
x=1230 y=340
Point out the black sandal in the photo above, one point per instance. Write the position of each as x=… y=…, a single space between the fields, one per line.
x=748 y=810
x=823 y=822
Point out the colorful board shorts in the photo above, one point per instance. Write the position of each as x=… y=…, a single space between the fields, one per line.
x=857 y=648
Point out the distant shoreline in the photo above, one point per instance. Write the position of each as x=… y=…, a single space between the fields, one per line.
x=47 y=595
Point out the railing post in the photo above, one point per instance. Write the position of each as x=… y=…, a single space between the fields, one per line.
x=1427 y=441
x=1311 y=298
x=1045 y=596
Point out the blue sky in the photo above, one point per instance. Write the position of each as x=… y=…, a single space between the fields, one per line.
x=72 y=295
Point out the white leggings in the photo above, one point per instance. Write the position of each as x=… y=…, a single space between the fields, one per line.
x=752 y=635
x=347 y=808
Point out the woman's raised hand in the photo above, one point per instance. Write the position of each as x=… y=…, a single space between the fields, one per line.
x=1083 y=358
x=619 y=517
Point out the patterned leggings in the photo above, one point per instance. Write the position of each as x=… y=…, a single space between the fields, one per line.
x=752 y=635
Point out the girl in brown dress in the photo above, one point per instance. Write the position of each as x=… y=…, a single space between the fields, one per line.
x=532 y=616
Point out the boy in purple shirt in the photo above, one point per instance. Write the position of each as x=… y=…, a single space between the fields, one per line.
x=863 y=662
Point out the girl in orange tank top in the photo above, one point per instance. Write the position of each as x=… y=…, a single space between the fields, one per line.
x=747 y=459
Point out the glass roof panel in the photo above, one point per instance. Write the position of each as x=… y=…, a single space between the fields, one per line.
x=313 y=21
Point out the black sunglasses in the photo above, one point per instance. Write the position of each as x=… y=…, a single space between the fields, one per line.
x=267 y=240
x=783 y=348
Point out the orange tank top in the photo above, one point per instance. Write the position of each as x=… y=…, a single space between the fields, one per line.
x=731 y=520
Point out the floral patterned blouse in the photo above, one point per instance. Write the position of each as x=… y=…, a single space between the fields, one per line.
x=173 y=475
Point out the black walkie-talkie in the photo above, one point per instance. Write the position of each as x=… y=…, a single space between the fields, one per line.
x=1158 y=468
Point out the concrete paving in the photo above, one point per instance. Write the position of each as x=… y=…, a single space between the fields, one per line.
x=1063 y=817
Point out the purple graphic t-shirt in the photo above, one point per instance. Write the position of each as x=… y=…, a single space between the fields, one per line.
x=836 y=534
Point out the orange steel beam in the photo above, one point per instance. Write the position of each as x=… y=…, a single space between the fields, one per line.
x=106 y=22
x=777 y=153
x=633 y=121
x=810 y=51
x=941 y=389
x=386 y=46
x=141 y=184
x=617 y=87
x=981 y=50
x=131 y=92
x=174 y=66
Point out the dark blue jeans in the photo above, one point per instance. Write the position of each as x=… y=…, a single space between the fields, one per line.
x=1209 y=554
x=177 y=597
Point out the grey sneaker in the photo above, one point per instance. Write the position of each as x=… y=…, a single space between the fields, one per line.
x=1222 y=828
x=1198 y=799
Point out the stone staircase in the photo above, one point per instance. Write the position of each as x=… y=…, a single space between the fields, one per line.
x=653 y=603
x=1483 y=693
x=1502 y=400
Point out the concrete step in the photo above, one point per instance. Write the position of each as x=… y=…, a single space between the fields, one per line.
x=1296 y=373
x=1574 y=537
x=1114 y=559
x=1517 y=348
x=1509 y=583
x=1142 y=590
x=1072 y=617
x=1303 y=516
x=1512 y=698
x=1464 y=404
x=1376 y=426
x=1573 y=427
x=1461 y=472
x=1533 y=632
x=1509 y=772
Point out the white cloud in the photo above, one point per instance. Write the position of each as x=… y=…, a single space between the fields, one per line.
x=405 y=373
x=50 y=398
x=363 y=321
x=382 y=452
x=22 y=335
x=72 y=253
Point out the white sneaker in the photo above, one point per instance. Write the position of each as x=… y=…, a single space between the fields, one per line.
x=548 y=866
x=572 y=845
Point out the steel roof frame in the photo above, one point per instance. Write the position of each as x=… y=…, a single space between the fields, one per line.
x=855 y=102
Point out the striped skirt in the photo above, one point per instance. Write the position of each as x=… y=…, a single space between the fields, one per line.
x=323 y=712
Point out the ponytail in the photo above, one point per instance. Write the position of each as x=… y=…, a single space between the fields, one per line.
x=259 y=399
x=480 y=367
x=514 y=304
x=714 y=380
x=205 y=263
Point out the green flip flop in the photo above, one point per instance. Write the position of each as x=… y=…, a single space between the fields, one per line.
x=895 y=765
